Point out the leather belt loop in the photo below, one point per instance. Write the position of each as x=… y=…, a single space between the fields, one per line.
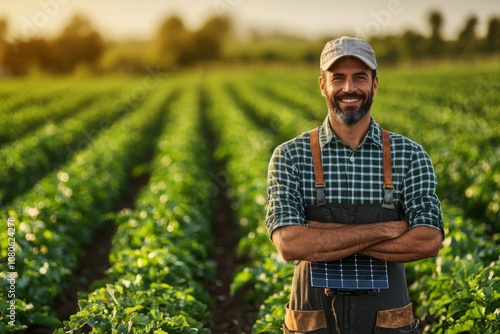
x=318 y=167
x=388 y=202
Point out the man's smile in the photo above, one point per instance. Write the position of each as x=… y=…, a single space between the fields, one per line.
x=349 y=100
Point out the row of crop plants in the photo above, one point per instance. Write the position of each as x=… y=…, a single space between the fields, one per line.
x=459 y=110
x=28 y=159
x=19 y=94
x=454 y=115
x=55 y=219
x=160 y=258
x=238 y=112
x=456 y=291
x=19 y=119
x=302 y=93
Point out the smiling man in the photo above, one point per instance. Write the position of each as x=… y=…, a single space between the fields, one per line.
x=350 y=202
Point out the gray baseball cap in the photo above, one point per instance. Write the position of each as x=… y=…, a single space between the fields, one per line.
x=347 y=46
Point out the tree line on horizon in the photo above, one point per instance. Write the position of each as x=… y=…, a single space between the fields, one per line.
x=80 y=47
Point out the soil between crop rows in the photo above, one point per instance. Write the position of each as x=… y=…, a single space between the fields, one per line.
x=229 y=312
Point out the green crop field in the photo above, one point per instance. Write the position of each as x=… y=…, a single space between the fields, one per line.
x=71 y=150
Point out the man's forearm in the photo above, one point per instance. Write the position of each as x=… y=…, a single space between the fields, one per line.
x=418 y=243
x=318 y=242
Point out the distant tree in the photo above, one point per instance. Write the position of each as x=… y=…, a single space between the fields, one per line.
x=125 y=57
x=174 y=45
x=3 y=29
x=3 y=44
x=436 y=44
x=467 y=42
x=413 y=44
x=25 y=56
x=388 y=48
x=208 y=41
x=78 y=43
x=492 y=40
x=171 y=43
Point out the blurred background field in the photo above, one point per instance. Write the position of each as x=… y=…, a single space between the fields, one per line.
x=100 y=37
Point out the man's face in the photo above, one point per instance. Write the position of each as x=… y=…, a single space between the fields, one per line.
x=348 y=88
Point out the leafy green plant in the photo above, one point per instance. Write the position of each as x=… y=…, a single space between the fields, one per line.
x=128 y=307
x=160 y=250
x=55 y=219
x=461 y=297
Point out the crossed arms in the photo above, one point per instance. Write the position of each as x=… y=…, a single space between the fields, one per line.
x=389 y=241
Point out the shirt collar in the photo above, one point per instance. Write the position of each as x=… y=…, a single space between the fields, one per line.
x=327 y=135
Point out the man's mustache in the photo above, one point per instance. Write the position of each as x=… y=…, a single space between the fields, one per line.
x=350 y=96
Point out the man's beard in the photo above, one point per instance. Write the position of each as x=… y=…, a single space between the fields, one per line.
x=349 y=115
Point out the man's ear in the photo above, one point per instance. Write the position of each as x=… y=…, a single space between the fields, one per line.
x=321 y=83
x=375 y=85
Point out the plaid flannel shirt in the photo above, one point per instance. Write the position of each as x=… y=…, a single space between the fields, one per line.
x=351 y=177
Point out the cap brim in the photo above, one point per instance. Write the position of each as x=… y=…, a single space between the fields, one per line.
x=328 y=64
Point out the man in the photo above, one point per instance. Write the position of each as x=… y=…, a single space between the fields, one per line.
x=333 y=200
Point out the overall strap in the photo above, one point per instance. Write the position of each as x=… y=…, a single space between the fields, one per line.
x=320 y=180
x=318 y=167
x=388 y=185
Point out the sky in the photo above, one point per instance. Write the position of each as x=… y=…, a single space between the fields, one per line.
x=123 y=19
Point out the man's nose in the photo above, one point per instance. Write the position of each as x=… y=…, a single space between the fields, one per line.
x=349 y=86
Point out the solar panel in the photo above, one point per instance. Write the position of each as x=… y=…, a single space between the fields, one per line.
x=356 y=272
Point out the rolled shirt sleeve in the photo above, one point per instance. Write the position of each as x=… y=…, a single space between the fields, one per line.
x=285 y=204
x=422 y=205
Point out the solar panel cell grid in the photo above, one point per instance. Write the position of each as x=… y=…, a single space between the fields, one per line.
x=356 y=272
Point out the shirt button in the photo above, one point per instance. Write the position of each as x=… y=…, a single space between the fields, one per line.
x=351 y=158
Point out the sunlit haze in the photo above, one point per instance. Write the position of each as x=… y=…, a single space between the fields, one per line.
x=117 y=19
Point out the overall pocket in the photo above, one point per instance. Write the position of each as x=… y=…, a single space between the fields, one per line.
x=305 y=321
x=397 y=320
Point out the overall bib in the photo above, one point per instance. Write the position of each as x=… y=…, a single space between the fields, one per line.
x=323 y=311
